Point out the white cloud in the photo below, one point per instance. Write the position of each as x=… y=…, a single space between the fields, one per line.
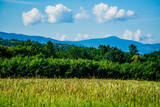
x=104 y=13
x=59 y=14
x=130 y=13
x=61 y=37
x=82 y=15
x=108 y=35
x=81 y=37
x=138 y=36
x=31 y=17
x=128 y=35
x=120 y=13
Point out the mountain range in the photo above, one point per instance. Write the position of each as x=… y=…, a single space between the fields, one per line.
x=112 y=41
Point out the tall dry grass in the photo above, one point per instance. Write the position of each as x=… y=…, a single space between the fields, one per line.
x=78 y=92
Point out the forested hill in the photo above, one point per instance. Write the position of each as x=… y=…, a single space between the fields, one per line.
x=112 y=41
x=40 y=39
x=26 y=37
x=16 y=42
x=120 y=43
x=33 y=59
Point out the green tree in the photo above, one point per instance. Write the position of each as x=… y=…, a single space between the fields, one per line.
x=4 y=51
x=137 y=58
x=115 y=55
x=48 y=49
x=104 y=49
x=28 y=43
x=133 y=50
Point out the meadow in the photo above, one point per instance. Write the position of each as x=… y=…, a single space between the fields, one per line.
x=78 y=93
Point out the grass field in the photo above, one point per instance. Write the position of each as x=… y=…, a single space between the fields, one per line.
x=78 y=92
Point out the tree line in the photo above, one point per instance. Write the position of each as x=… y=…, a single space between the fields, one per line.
x=32 y=59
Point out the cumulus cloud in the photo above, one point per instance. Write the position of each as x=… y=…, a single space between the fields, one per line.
x=130 y=13
x=128 y=35
x=61 y=37
x=82 y=15
x=138 y=36
x=59 y=14
x=107 y=35
x=33 y=16
x=104 y=13
x=81 y=37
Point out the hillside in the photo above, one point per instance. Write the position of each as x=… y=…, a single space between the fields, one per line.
x=112 y=41
x=120 y=43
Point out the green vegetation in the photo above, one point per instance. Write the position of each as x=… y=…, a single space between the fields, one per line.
x=32 y=59
x=78 y=93
x=69 y=68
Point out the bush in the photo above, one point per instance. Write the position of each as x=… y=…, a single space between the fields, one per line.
x=69 y=68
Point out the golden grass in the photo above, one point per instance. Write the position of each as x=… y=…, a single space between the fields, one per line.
x=78 y=92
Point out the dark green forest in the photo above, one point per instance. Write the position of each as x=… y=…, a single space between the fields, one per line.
x=52 y=60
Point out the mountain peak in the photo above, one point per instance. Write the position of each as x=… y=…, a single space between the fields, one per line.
x=95 y=42
x=112 y=37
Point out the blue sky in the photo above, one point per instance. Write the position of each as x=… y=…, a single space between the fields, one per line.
x=137 y=20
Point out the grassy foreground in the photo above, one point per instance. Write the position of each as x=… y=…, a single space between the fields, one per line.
x=78 y=92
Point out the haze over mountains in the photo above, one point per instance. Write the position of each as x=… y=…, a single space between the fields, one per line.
x=112 y=41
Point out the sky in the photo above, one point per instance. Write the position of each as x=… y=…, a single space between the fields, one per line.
x=75 y=20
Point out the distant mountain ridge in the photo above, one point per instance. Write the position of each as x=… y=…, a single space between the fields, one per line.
x=112 y=41
x=122 y=44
